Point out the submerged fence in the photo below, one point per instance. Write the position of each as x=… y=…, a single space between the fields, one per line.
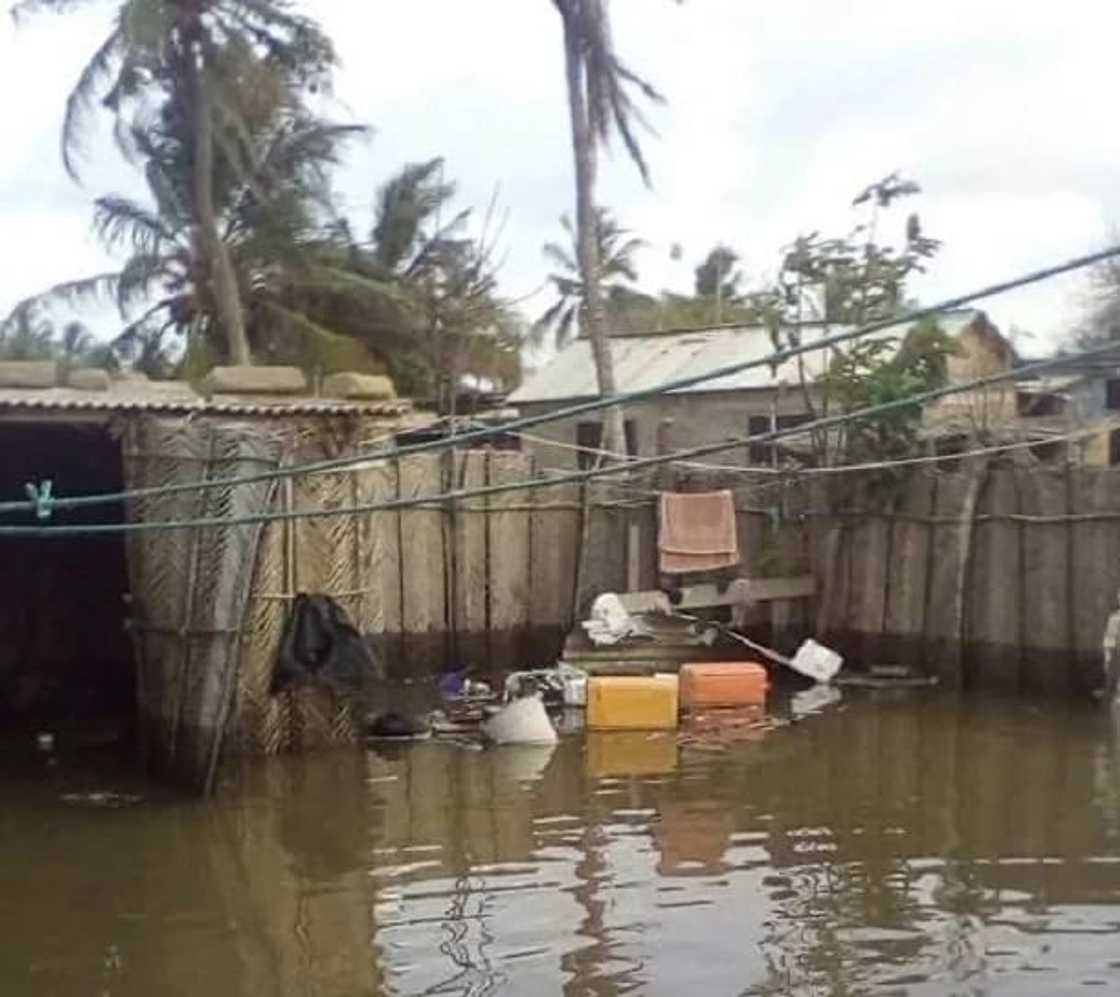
x=990 y=577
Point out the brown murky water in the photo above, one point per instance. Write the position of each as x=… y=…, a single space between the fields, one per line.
x=887 y=845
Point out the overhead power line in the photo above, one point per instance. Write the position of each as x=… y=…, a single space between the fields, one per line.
x=573 y=477
x=594 y=405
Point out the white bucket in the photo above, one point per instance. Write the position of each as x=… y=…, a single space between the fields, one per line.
x=524 y=721
x=517 y=764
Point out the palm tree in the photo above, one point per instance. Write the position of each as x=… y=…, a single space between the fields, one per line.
x=214 y=63
x=29 y=337
x=600 y=104
x=447 y=282
x=272 y=229
x=33 y=336
x=617 y=271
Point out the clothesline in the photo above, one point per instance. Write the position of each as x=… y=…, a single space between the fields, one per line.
x=791 y=472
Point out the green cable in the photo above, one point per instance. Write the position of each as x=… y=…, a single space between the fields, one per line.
x=439 y=499
x=621 y=398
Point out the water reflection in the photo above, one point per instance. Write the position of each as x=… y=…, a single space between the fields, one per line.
x=880 y=845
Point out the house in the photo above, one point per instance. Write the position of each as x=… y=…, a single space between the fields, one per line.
x=750 y=402
x=1079 y=396
x=980 y=351
x=727 y=407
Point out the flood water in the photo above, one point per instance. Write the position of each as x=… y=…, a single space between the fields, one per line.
x=901 y=844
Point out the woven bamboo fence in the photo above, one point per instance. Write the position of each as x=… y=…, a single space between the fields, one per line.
x=189 y=589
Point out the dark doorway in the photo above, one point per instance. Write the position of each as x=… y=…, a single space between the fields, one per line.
x=66 y=663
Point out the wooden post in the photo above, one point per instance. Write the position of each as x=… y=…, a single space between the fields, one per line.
x=509 y=523
x=582 y=554
x=423 y=610
x=908 y=572
x=470 y=542
x=992 y=622
x=450 y=522
x=633 y=552
x=1046 y=593
x=554 y=546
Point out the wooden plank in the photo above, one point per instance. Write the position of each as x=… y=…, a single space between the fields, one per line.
x=554 y=543
x=992 y=602
x=907 y=575
x=633 y=552
x=382 y=572
x=605 y=562
x=471 y=570
x=1047 y=635
x=947 y=551
x=648 y=569
x=423 y=591
x=709 y=596
x=870 y=540
x=509 y=561
x=832 y=561
x=1095 y=571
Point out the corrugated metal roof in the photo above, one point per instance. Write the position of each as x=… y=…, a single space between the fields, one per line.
x=644 y=361
x=1049 y=384
x=177 y=397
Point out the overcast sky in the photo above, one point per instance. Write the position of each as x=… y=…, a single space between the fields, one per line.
x=778 y=114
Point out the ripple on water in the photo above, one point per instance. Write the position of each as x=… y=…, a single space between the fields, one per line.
x=923 y=846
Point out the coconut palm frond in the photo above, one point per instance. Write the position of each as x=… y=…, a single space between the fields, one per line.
x=404 y=204
x=617 y=248
x=70 y=294
x=27 y=8
x=120 y=221
x=315 y=142
x=304 y=324
x=99 y=71
x=141 y=276
x=560 y=257
x=338 y=279
x=611 y=108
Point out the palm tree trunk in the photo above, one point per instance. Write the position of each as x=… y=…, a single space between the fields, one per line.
x=216 y=258
x=583 y=148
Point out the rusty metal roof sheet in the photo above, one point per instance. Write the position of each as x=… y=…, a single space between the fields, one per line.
x=177 y=397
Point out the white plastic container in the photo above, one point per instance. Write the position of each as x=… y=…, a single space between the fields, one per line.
x=524 y=721
x=575 y=685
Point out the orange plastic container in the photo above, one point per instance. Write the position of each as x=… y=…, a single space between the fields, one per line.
x=723 y=683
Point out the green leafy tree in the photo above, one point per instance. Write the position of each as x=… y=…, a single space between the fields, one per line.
x=852 y=279
x=877 y=371
x=718 y=277
x=618 y=272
